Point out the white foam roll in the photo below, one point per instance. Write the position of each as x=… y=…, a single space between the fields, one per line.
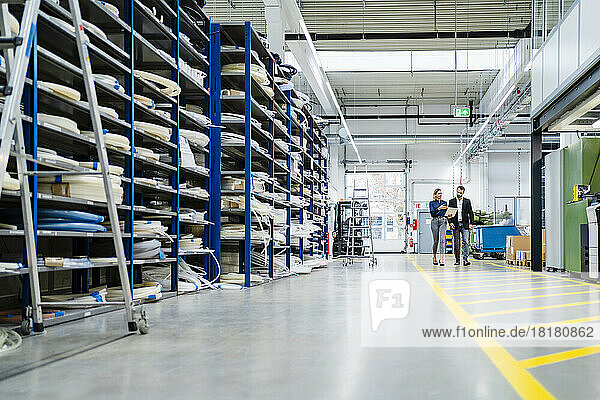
x=14 y=24
x=112 y=169
x=111 y=81
x=146 y=101
x=78 y=179
x=89 y=26
x=144 y=152
x=10 y=183
x=111 y=139
x=61 y=90
x=110 y=8
x=87 y=191
x=59 y=122
x=154 y=130
x=196 y=137
x=269 y=91
x=171 y=88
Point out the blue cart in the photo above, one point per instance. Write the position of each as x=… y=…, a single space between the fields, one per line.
x=490 y=240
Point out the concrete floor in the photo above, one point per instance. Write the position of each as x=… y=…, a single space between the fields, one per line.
x=299 y=338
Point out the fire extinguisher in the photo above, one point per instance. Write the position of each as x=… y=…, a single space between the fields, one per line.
x=410 y=242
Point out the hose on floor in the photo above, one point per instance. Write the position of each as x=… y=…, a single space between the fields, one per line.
x=9 y=340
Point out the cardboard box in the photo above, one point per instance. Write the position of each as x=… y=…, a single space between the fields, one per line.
x=515 y=244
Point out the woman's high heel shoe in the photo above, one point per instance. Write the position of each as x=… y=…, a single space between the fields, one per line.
x=435 y=262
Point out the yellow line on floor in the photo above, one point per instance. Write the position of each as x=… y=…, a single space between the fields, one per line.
x=496 y=285
x=527 y=297
x=468 y=274
x=518 y=310
x=515 y=279
x=480 y=276
x=457 y=270
x=568 y=321
x=558 y=357
x=521 y=380
x=542 y=274
x=516 y=290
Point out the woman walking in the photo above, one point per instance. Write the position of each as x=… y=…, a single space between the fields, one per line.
x=437 y=209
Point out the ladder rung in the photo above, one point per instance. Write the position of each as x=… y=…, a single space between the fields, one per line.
x=52 y=173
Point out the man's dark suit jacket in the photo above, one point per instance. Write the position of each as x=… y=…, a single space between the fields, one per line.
x=467 y=213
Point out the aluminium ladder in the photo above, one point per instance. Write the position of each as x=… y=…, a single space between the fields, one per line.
x=16 y=54
x=359 y=240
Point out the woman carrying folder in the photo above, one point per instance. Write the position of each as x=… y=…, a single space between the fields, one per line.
x=437 y=209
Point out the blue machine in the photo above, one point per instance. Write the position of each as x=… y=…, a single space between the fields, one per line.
x=491 y=240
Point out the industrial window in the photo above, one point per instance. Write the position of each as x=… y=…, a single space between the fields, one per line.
x=387 y=202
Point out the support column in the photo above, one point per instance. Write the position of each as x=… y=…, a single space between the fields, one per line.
x=536 y=199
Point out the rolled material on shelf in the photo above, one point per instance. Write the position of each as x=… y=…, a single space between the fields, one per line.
x=284 y=84
x=111 y=112
x=195 y=113
x=10 y=183
x=86 y=187
x=233 y=139
x=110 y=81
x=57 y=220
x=146 y=249
x=144 y=152
x=258 y=73
x=170 y=88
x=61 y=90
x=280 y=125
x=145 y=291
x=240 y=278
x=111 y=139
x=51 y=156
x=112 y=169
x=97 y=295
x=195 y=137
x=111 y=8
x=195 y=191
x=91 y=27
x=14 y=24
x=270 y=92
x=146 y=101
x=237 y=232
x=157 y=131
x=194 y=73
x=191 y=215
x=150 y=227
x=190 y=243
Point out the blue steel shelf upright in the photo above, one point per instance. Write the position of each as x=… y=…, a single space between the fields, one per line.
x=253 y=106
x=153 y=36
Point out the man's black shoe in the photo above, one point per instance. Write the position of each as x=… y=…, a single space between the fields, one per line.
x=456 y=262
x=466 y=263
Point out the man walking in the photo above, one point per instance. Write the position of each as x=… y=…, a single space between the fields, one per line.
x=461 y=224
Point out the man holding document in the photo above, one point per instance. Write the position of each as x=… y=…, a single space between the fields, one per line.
x=461 y=217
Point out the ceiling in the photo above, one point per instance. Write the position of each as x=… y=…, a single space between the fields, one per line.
x=395 y=88
x=399 y=25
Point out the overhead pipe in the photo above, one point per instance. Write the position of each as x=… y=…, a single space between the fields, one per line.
x=515 y=34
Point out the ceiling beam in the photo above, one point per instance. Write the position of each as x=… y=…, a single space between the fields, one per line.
x=515 y=34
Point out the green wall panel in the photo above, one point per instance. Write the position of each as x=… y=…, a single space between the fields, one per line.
x=579 y=161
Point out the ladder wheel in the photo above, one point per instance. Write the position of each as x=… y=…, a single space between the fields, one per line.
x=143 y=326
x=26 y=327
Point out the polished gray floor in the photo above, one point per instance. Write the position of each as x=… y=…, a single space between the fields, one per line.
x=296 y=338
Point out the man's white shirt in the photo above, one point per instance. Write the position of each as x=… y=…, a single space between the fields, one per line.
x=459 y=204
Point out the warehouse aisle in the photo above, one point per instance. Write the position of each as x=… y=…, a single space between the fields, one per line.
x=299 y=338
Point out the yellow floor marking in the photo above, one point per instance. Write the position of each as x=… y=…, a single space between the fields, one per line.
x=518 y=310
x=568 y=321
x=521 y=380
x=515 y=279
x=516 y=290
x=457 y=270
x=496 y=285
x=542 y=274
x=478 y=276
x=527 y=297
x=558 y=357
x=463 y=274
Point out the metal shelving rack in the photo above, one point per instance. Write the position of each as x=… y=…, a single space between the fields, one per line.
x=244 y=47
x=144 y=36
x=313 y=187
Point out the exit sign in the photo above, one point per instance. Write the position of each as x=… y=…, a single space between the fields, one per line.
x=462 y=112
